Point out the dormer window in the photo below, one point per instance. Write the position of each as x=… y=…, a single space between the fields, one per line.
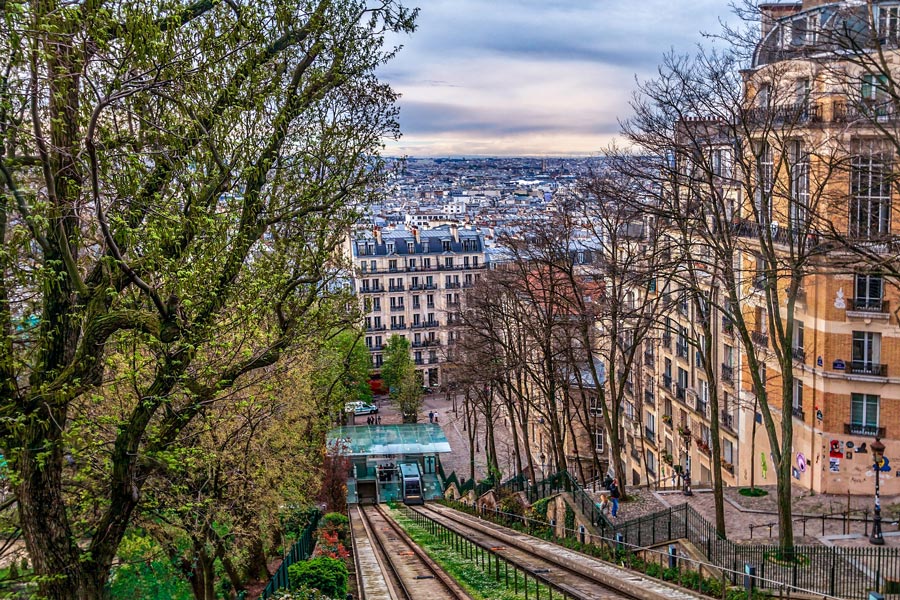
x=390 y=247
x=445 y=245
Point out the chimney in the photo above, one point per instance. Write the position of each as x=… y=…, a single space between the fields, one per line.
x=377 y=231
x=415 y=232
x=454 y=231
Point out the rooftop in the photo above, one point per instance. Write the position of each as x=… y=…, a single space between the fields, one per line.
x=408 y=438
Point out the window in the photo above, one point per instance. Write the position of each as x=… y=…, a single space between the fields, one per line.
x=682 y=383
x=797 y=400
x=728 y=356
x=598 y=439
x=368 y=322
x=596 y=408
x=390 y=247
x=651 y=463
x=798 y=348
x=801 y=89
x=448 y=261
x=863 y=412
x=799 y=207
x=376 y=304
x=392 y=265
x=873 y=88
x=445 y=244
x=410 y=247
x=866 y=351
x=869 y=292
x=870 y=189
x=475 y=262
x=667 y=372
x=727 y=451
x=415 y=302
x=372 y=266
x=762 y=95
x=651 y=424
x=720 y=162
x=889 y=24
x=369 y=342
x=411 y=263
x=765 y=168
x=426 y=263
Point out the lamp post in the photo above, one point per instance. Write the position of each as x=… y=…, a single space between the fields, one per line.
x=877 y=456
x=686 y=438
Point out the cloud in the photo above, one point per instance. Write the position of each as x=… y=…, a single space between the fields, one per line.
x=552 y=75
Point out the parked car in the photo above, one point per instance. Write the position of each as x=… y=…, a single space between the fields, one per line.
x=360 y=408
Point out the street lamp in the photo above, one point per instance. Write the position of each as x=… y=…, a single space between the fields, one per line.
x=686 y=438
x=877 y=456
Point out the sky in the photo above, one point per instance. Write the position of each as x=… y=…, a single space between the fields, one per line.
x=533 y=77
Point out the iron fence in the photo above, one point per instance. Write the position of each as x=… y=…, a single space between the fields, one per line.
x=300 y=550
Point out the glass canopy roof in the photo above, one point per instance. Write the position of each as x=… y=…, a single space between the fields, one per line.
x=409 y=438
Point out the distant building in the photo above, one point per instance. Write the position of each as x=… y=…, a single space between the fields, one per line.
x=410 y=282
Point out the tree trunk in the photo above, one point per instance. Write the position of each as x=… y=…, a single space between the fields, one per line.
x=203 y=576
x=257 y=564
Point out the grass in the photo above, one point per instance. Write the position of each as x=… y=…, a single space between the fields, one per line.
x=479 y=584
x=753 y=492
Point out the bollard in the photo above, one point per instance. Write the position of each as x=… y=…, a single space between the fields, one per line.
x=749 y=579
x=673 y=556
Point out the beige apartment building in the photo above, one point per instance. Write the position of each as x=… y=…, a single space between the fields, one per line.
x=410 y=282
x=825 y=132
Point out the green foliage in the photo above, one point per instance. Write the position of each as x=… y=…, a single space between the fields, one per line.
x=539 y=509
x=654 y=570
x=397 y=363
x=753 y=492
x=146 y=572
x=328 y=575
x=570 y=518
x=341 y=371
x=409 y=397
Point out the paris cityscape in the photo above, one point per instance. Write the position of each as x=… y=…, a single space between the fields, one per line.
x=370 y=300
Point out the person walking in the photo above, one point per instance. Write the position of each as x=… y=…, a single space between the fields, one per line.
x=614 y=497
x=431 y=417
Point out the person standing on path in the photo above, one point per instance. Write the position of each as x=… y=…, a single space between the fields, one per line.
x=614 y=497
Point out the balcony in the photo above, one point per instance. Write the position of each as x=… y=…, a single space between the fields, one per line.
x=373 y=290
x=667 y=340
x=727 y=373
x=398 y=326
x=760 y=339
x=860 y=367
x=430 y=305
x=680 y=393
x=376 y=328
x=667 y=382
x=400 y=308
x=452 y=285
x=395 y=288
x=728 y=466
x=799 y=354
x=797 y=411
x=868 y=305
x=649 y=398
x=866 y=430
x=702 y=408
x=432 y=324
x=429 y=286
x=416 y=287
x=629 y=388
x=798 y=112
x=681 y=350
x=648 y=359
x=650 y=435
x=419 y=361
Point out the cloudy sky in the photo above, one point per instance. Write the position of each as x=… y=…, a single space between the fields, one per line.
x=532 y=77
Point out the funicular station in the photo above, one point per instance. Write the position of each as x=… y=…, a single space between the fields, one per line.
x=391 y=462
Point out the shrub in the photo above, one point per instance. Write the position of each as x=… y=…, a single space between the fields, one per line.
x=334 y=519
x=753 y=492
x=670 y=574
x=712 y=586
x=690 y=579
x=337 y=524
x=654 y=570
x=326 y=574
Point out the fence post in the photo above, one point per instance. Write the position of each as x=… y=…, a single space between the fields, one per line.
x=749 y=579
x=831 y=574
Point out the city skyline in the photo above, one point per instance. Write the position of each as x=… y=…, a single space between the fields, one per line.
x=529 y=78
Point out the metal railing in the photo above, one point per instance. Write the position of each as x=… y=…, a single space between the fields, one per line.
x=301 y=550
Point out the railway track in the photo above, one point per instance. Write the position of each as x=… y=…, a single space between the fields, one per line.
x=569 y=573
x=410 y=574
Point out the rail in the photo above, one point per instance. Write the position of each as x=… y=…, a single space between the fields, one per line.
x=300 y=550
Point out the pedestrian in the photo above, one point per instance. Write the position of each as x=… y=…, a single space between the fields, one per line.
x=435 y=418
x=368 y=420
x=378 y=420
x=607 y=481
x=614 y=497
x=431 y=416
x=604 y=503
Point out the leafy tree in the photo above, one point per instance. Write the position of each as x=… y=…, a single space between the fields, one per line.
x=323 y=573
x=174 y=180
x=342 y=366
x=397 y=363
x=409 y=396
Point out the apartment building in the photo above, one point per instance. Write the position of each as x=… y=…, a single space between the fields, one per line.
x=846 y=342
x=411 y=282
